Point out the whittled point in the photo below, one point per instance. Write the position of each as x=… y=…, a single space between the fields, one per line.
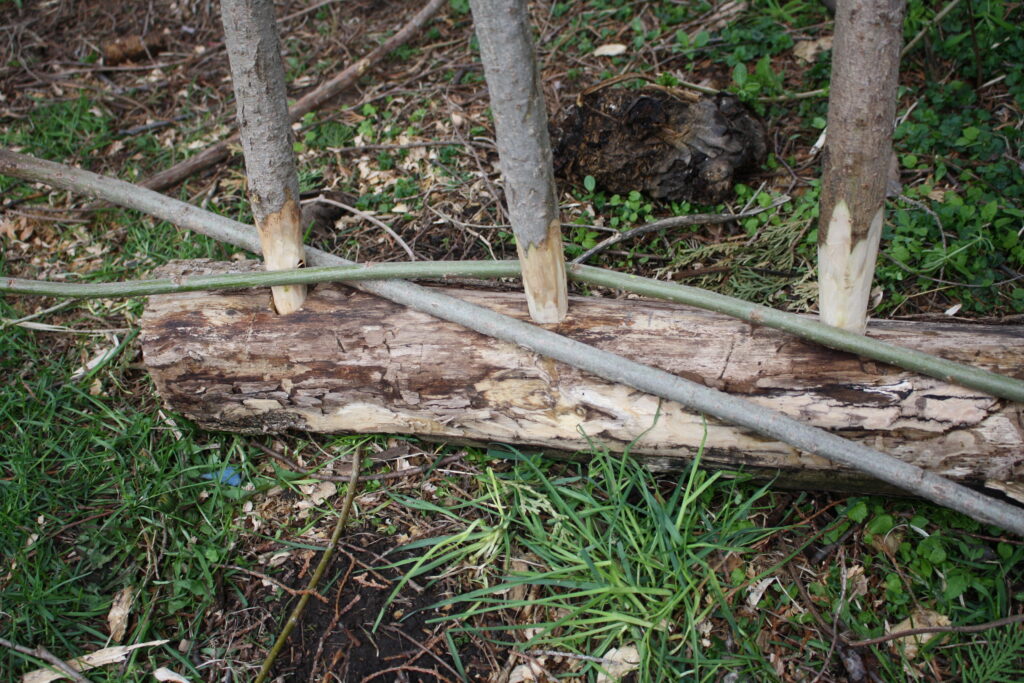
x=543 y=266
x=846 y=268
x=281 y=242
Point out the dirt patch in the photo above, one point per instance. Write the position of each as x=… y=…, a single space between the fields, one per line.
x=341 y=634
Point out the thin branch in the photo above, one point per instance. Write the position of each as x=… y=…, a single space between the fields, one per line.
x=406 y=145
x=38 y=314
x=271 y=579
x=606 y=365
x=48 y=657
x=313 y=100
x=935 y=20
x=376 y=221
x=321 y=568
x=674 y=222
x=977 y=628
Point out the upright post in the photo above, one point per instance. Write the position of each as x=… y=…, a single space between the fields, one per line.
x=257 y=74
x=858 y=153
x=524 y=148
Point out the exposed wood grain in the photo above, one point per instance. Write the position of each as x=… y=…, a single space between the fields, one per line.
x=351 y=362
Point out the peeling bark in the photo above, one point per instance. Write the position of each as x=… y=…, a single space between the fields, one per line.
x=257 y=74
x=524 y=148
x=351 y=362
x=858 y=152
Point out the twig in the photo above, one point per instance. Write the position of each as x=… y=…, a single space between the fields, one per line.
x=314 y=100
x=608 y=366
x=52 y=219
x=405 y=667
x=376 y=221
x=47 y=656
x=920 y=34
x=338 y=614
x=362 y=477
x=978 y=628
x=321 y=568
x=820 y=92
x=271 y=579
x=570 y=655
x=407 y=145
x=674 y=222
x=424 y=649
x=39 y=314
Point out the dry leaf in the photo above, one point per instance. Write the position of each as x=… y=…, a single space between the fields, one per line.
x=610 y=50
x=618 y=662
x=165 y=674
x=919 y=618
x=117 y=617
x=856 y=581
x=99 y=358
x=108 y=655
x=808 y=50
x=526 y=672
x=757 y=591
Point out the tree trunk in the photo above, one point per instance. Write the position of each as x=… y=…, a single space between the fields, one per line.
x=351 y=362
x=257 y=74
x=858 y=152
x=524 y=148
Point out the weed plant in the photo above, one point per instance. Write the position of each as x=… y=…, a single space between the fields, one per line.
x=600 y=555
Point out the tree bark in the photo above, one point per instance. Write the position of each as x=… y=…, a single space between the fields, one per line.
x=351 y=362
x=858 y=153
x=257 y=74
x=524 y=148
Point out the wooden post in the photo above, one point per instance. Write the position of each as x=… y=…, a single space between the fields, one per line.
x=861 y=111
x=521 y=125
x=258 y=76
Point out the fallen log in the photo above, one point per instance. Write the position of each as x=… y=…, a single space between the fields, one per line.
x=352 y=362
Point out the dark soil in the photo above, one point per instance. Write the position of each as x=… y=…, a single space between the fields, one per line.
x=340 y=634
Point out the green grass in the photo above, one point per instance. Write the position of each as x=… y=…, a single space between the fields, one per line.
x=606 y=554
x=97 y=494
x=617 y=557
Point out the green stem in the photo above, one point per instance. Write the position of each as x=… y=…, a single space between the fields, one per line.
x=801 y=326
x=325 y=560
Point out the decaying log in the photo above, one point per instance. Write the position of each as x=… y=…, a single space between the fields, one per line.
x=667 y=143
x=350 y=362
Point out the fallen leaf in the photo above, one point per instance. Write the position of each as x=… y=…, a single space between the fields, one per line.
x=757 y=591
x=108 y=655
x=525 y=672
x=610 y=50
x=117 y=617
x=618 y=662
x=919 y=618
x=165 y=674
x=808 y=50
